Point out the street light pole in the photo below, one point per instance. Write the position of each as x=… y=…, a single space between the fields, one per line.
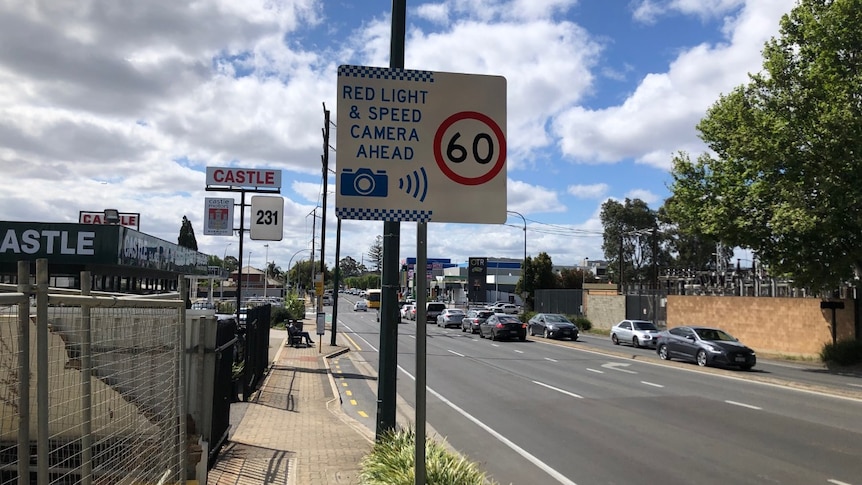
x=265 y=271
x=291 y=261
x=223 y=268
x=524 y=288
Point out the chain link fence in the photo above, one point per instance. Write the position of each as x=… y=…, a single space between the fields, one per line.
x=90 y=387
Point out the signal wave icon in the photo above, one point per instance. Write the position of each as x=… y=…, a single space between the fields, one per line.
x=414 y=184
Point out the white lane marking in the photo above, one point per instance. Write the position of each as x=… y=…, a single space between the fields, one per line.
x=651 y=384
x=551 y=360
x=836 y=482
x=495 y=345
x=360 y=337
x=595 y=370
x=749 y=406
x=456 y=353
x=519 y=351
x=618 y=366
x=855 y=385
x=563 y=391
x=506 y=441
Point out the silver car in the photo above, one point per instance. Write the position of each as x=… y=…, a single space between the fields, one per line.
x=450 y=317
x=638 y=333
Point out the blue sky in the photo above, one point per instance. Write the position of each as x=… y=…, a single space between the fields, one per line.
x=124 y=108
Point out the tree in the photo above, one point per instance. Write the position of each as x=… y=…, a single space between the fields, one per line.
x=350 y=267
x=375 y=253
x=785 y=176
x=187 y=235
x=629 y=229
x=574 y=278
x=538 y=275
x=273 y=270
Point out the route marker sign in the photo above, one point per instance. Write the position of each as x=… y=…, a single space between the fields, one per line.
x=267 y=218
x=420 y=146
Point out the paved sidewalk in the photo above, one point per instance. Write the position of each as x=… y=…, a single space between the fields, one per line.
x=293 y=430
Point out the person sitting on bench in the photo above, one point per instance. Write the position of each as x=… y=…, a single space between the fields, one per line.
x=297 y=335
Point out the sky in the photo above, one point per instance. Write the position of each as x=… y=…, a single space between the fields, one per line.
x=123 y=105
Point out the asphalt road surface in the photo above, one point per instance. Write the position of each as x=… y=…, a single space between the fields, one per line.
x=547 y=412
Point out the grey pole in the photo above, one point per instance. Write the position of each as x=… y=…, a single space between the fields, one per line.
x=421 y=331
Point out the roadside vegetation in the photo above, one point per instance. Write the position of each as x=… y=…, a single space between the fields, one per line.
x=392 y=462
x=843 y=353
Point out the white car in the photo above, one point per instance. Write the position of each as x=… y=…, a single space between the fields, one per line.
x=406 y=311
x=638 y=333
x=360 y=306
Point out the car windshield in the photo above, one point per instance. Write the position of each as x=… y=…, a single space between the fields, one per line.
x=556 y=318
x=644 y=326
x=714 y=334
x=503 y=319
x=484 y=314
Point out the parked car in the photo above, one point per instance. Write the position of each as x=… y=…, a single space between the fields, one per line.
x=473 y=319
x=635 y=332
x=432 y=309
x=450 y=317
x=327 y=299
x=552 y=325
x=502 y=326
x=508 y=308
x=705 y=346
x=360 y=306
x=406 y=310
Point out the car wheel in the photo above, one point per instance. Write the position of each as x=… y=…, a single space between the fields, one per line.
x=745 y=367
x=663 y=353
x=481 y=335
x=493 y=336
x=463 y=329
x=636 y=343
x=701 y=358
x=546 y=334
x=614 y=339
x=523 y=339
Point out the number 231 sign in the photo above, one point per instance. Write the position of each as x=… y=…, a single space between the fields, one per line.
x=267 y=218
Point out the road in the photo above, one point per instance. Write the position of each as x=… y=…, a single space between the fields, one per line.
x=540 y=412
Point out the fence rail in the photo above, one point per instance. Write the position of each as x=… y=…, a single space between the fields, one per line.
x=90 y=387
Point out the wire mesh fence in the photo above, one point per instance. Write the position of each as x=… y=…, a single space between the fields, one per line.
x=103 y=404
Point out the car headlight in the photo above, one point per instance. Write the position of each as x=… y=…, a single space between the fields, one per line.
x=712 y=349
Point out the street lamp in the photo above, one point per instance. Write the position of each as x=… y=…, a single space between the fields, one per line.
x=291 y=261
x=524 y=263
x=223 y=268
x=584 y=273
x=265 y=271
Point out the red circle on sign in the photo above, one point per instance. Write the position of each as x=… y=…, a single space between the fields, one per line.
x=438 y=152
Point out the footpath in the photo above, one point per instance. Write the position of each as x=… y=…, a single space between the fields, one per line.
x=292 y=431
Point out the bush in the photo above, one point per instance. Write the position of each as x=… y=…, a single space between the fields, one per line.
x=392 y=461
x=845 y=352
x=295 y=307
x=278 y=314
x=584 y=324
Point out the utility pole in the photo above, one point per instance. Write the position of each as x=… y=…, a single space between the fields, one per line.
x=388 y=367
x=324 y=159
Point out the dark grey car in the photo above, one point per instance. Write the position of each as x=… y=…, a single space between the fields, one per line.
x=503 y=326
x=705 y=346
x=552 y=325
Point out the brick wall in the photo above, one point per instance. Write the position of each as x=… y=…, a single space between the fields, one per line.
x=604 y=311
x=787 y=326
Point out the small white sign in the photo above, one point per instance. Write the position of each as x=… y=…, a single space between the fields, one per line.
x=218 y=216
x=267 y=218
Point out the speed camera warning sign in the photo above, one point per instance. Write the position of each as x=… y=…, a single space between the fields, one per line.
x=420 y=146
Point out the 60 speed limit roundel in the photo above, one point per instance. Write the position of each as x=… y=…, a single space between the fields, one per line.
x=470 y=148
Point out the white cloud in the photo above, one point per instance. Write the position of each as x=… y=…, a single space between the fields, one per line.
x=648 y=11
x=645 y=195
x=659 y=118
x=593 y=191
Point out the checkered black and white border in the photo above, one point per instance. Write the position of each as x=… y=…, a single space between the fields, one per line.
x=362 y=214
x=386 y=73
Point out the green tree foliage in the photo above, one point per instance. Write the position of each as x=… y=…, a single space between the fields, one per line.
x=374 y=256
x=539 y=275
x=574 y=278
x=299 y=276
x=187 y=235
x=785 y=176
x=350 y=267
x=629 y=229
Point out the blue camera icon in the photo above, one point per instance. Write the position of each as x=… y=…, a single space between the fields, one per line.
x=364 y=183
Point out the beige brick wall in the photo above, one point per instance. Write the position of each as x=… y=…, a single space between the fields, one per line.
x=787 y=326
x=605 y=310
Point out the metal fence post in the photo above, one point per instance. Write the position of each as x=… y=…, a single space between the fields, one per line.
x=24 y=373
x=42 y=443
x=86 y=385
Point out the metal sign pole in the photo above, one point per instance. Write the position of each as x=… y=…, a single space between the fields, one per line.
x=421 y=331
